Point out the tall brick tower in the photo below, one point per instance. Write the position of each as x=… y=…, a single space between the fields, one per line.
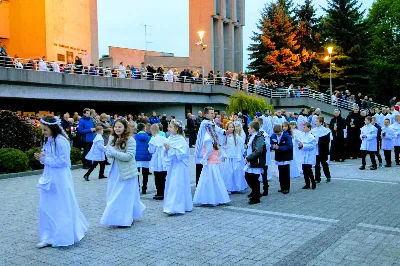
x=222 y=21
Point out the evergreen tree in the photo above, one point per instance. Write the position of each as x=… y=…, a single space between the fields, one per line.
x=309 y=39
x=274 y=52
x=384 y=50
x=344 y=27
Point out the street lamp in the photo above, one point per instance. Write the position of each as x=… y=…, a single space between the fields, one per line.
x=330 y=50
x=203 y=47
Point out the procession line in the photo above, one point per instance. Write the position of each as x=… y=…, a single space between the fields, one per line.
x=366 y=180
x=385 y=228
x=283 y=214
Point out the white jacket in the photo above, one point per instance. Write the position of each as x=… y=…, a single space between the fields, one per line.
x=309 y=148
x=156 y=146
x=396 y=131
x=278 y=121
x=125 y=158
x=369 y=143
x=387 y=139
x=97 y=151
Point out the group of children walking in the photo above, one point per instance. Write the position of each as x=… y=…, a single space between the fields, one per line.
x=226 y=162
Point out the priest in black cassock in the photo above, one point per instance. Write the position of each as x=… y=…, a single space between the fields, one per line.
x=337 y=126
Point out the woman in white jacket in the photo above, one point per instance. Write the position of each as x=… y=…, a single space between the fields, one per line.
x=123 y=199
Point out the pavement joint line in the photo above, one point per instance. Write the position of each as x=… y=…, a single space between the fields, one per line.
x=365 y=180
x=380 y=227
x=283 y=214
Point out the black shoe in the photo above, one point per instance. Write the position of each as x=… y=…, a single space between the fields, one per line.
x=107 y=163
x=328 y=180
x=373 y=167
x=86 y=177
x=318 y=181
x=362 y=167
x=250 y=195
x=144 y=191
x=306 y=187
x=388 y=165
x=354 y=158
x=86 y=167
x=280 y=190
x=265 y=193
x=314 y=185
x=254 y=201
x=285 y=191
x=158 y=197
x=101 y=177
x=123 y=226
x=397 y=163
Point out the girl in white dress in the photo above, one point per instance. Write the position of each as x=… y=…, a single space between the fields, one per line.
x=297 y=154
x=232 y=153
x=123 y=199
x=178 y=192
x=211 y=189
x=61 y=223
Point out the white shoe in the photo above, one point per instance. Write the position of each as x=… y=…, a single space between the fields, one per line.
x=42 y=245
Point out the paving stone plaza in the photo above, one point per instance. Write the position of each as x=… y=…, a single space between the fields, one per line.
x=354 y=220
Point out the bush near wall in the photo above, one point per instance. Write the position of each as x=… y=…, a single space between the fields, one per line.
x=76 y=156
x=15 y=132
x=33 y=163
x=252 y=103
x=13 y=161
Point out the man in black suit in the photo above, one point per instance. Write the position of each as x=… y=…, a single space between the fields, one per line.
x=191 y=129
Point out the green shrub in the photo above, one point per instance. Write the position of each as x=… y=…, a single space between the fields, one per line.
x=252 y=103
x=15 y=132
x=33 y=163
x=76 y=156
x=13 y=161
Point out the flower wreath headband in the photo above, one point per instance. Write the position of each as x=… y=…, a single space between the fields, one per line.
x=179 y=125
x=58 y=122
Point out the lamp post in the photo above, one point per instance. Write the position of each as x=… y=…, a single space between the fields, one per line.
x=330 y=50
x=203 y=47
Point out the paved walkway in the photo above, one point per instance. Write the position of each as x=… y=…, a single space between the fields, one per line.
x=354 y=220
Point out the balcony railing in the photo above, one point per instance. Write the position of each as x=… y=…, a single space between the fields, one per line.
x=274 y=92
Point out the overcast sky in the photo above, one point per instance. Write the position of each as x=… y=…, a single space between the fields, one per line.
x=121 y=24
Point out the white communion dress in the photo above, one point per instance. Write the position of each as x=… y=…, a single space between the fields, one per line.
x=61 y=223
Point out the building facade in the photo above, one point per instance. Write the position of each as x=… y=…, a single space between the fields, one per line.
x=222 y=21
x=59 y=30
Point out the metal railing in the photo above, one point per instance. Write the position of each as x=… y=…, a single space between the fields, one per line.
x=268 y=91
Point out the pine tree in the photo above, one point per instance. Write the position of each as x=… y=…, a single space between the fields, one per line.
x=274 y=52
x=309 y=39
x=384 y=49
x=344 y=28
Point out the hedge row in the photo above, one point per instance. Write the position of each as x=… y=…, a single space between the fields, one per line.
x=14 y=160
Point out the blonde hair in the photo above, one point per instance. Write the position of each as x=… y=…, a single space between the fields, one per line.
x=234 y=132
x=155 y=128
x=103 y=116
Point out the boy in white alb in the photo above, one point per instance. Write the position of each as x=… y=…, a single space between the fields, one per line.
x=97 y=154
x=156 y=146
x=368 y=136
x=387 y=142
x=396 y=140
x=307 y=144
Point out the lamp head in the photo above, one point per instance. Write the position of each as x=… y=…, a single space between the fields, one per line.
x=201 y=34
x=330 y=50
x=326 y=58
x=204 y=46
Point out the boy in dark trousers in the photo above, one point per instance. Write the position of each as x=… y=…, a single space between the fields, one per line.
x=282 y=144
x=323 y=137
